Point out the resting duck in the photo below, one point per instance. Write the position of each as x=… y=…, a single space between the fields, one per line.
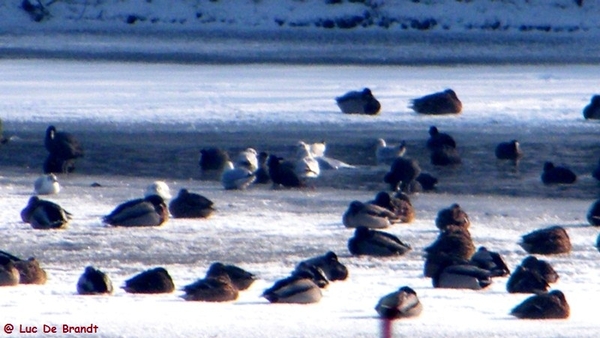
x=547 y=241
x=376 y=243
x=190 y=205
x=156 y=280
x=552 y=305
x=42 y=214
x=359 y=102
x=402 y=303
x=215 y=287
x=148 y=211
x=368 y=215
x=440 y=103
x=94 y=282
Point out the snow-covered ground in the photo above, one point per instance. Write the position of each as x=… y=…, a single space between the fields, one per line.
x=268 y=232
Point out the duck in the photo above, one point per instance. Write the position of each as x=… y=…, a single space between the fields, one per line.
x=376 y=243
x=30 y=271
x=452 y=241
x=454 y=215
x=238 y=178
x=462 y=276
x=330 y=265
x=368 y=215
x=42 y=214
x=402 y=172
x=593 y=214
x=435 y=261
x=94 y=282
x=438 y=139
x=400 y=206
x=46 y=184
x=524 y=280
x=262 y=173
x=509 y=150
x=490 y=261
x=402 y=303
x=440 y=103
x=239 y=277
x=62 y=145
x=156 y=280
x=592 y=110
x=542 y=267
x=359 y=102
x=445 y=156
x=283 y=173
x=9 y=275
x=215 y=287
x=316 y=274
x=148 y=211
x=557 y=174
x=385 y=154
x=213 y=159
x=547 y=241
x=551 y=305
x=190 y=205
x=247 y=159
x=159 y=188
x=298 y=288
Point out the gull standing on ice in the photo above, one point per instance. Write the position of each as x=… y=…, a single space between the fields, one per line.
x=236 y=177
x=306 y=165
x=46 y=185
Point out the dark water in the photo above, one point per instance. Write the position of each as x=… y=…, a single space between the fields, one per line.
x=168 y=153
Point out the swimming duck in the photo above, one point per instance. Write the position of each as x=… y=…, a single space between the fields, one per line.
x=155 y=280
x=552 y=305
x=402 y=303
x=402 y=172
x=94 y=282
x=42 y=214
x=359 y=102
x=62 y=145
x=368 y=215
x=191 y=205
x=440 y=103
x=387 y=154
x=547 y=241
x=148 y=211
x=46 y=185
x=298 y=288
x=376 y=243
x=454 y=215
x=215 y=287
x=509 y=150
x=330 y=265
x=557 y=175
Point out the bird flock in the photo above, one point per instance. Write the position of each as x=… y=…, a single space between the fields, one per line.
x=451 y=261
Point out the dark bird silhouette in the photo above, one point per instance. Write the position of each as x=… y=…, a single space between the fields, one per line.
x=359 y=102
x=445 y=155
x=94 y=282
x=552 y=305
x=557 y=175
x=402 y=172
x=213 y=158
x=427 y=181
x=593 y=215
x=62 y=145
x=317 y=274
x=401 y=207
x=453 y=241
x=155 y=280
x=42 y=214
x=509 y=150
x=190 y=205
x=215 y=287
x=440 y=103
x=542 y=267
x=547 y=241
x=402 y=303
x=262 y=173
x=592 y=110
x=462 y=276
x=490 y=261
x=240 y=278
x=454 y=215
x=329 y=263
x=438 y=139
x=148 y=211
x=376 y=243
x=283 y=173
x=57 y=165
